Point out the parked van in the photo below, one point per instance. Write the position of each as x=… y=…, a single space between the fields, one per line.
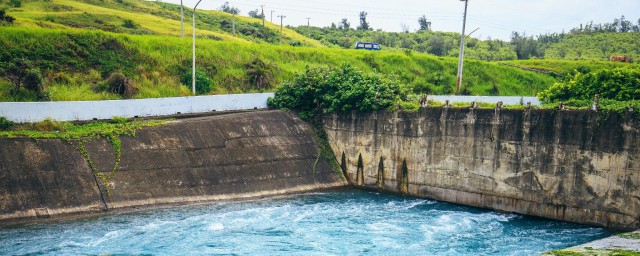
x=368 y=46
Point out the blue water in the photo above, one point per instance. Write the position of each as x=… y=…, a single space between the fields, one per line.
x=330 y=223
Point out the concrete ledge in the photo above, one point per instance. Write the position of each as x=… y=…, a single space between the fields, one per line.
x=106 y=109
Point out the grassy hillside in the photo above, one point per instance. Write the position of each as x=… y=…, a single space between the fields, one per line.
x=77 y=63
x=147 y=17
x=597 y=46
x=563 y=67
x=78 y=45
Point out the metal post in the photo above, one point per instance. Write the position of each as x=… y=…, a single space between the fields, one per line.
x=281 y=17
x=308 y=28
x=193 y=67
x=464 y=23
x=272 y=15
x=234 y=25
x=181 y=19
x=262 y=7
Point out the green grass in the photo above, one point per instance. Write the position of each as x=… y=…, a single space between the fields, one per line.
x=155 y=63
x=563 y=67
x=632 y=235
x=49 y=129
x=60 y=37
x=591 y=252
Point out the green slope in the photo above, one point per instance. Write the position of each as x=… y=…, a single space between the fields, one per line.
x=68 y=42
x=597 y=46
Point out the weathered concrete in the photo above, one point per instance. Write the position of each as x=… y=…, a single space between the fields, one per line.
x=567 y=165
x=211 y=158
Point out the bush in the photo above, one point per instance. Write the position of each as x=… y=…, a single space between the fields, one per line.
x=619 y=84
x=119 y=120
x=323 y=90
x=5 y=19
x=33 y=80
x=15 y=3
x=204 y=84
x=129 y=24
x=260 y=73
x=49 y=125
x=118 y=83
x=5 y=124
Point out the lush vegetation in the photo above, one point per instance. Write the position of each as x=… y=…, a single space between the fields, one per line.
x=49 y=129
x=76 y=64
x=586 y=42
x=113 y=49
x=324 y=90
x=424 y=41
x=620 y=84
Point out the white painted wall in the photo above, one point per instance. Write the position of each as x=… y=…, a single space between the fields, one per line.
x=507 y=100
x=88 y=110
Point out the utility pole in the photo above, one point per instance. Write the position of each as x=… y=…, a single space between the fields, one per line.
x=181 y=19
x=464 y=23
x=262 y=8
x=234 y=25
x=272 y=15
x=308 y=28
x=193 y=67
x=281 y=17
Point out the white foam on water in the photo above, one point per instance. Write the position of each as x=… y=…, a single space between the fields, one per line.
x=215 y=226
x=383 y=227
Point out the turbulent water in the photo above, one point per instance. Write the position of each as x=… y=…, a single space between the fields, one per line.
x=333 y=223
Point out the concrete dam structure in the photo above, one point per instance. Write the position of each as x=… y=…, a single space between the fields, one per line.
x=227 y=156
x=577 y=166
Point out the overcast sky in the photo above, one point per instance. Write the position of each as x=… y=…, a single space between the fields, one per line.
x=495 y=18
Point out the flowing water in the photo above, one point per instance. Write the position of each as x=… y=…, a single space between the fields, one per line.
x=347 y=222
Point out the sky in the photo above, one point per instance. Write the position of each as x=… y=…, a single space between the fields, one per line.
x=493 y=18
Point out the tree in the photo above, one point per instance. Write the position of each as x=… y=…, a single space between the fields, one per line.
x=229 y=9
x=5 y=19
x=15 y=3
x=256 y=14
x=404 y=27
x=625 y=25
x=364 y=25
x=424 y=23
x=344 y=24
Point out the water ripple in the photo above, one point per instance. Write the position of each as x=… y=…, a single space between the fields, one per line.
x=329 y=223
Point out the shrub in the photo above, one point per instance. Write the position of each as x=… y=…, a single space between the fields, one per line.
x=5 y=124
x=119 y=120
x=335 y=89
x=5 y=19
x=119 y=84
x=15 y=3
x=129 y=24
x=49 y=125
x=260 y=73
x=204 y=84
x=33 y=80
x=616 y=84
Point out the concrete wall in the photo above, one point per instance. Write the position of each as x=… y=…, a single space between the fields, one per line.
x=575 y=166
x=226 y=156
x=106 y=109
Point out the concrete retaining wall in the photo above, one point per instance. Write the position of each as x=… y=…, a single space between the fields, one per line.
x=577 y=166
x=106 y=109
x=226 y=156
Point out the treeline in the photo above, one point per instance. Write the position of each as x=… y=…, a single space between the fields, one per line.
x=424 y=41
x=613 y=38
